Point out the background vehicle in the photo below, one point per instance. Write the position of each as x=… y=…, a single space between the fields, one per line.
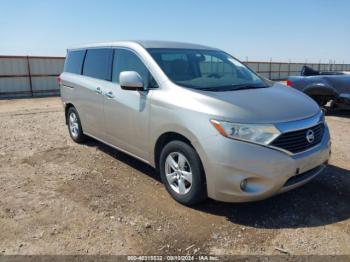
x=323 y=86
x=198 y=115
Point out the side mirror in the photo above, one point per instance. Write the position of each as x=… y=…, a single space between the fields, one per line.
x=131 y=80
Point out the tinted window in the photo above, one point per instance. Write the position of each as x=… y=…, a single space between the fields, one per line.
x=74 y=61
x=206 y=69
x=125 y=60
x=183 y=71
x=98 y=63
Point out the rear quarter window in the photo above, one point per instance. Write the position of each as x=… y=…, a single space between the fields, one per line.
x=74 y=62
x=98 y=63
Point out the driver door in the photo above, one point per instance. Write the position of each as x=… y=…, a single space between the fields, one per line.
x=127 y=112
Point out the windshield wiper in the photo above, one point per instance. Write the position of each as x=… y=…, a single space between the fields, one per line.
x=211 y=89
x=230 y=88
x=241 y=87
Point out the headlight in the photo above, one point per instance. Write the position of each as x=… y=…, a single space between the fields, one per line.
x=255 y=133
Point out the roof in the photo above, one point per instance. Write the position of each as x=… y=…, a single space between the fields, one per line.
x=171 y=44
x=150 y=44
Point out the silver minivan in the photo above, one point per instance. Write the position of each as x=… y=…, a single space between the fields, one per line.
x=210 y=125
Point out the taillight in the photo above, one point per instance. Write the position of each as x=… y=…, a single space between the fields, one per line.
x=289 y=83
x=58 y=80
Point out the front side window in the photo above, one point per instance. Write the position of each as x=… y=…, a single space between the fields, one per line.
x=74 y=61
x=125 y=60
x=205 y=69
x=98 y=63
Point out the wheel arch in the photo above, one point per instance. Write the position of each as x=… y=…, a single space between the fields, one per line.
x=320 y=90
x=172 y=135
x=164 y=139
x=66 y=108
x=169 y=136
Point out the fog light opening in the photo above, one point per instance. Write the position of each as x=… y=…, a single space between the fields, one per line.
x=243 y=184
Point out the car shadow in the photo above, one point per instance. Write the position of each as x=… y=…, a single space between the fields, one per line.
x=323 y=201
x=125 y=158
x=340 y=111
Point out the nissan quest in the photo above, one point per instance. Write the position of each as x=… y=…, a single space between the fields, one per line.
x=210 y=125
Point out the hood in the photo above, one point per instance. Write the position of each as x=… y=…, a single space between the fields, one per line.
x=274 y=104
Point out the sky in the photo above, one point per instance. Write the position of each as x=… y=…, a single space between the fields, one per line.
x=254 y=30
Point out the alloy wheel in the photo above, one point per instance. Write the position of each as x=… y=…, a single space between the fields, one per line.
x=73 y=124
x=178 y=173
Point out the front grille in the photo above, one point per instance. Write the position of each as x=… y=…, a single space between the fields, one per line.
x=296 y=141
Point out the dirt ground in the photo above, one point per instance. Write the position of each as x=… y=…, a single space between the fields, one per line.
x=58 y=197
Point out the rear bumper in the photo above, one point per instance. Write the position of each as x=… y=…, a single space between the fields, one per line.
x=267 y=171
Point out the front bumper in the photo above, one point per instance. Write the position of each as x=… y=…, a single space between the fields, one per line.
x=268 y=171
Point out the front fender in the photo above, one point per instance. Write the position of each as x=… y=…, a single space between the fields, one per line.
x=169 y=128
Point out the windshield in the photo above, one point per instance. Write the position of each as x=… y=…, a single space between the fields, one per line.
x=205 y=69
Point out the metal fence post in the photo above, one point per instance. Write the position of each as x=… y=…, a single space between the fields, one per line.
x=30 y=77
x=279 y=71
x=288 y=74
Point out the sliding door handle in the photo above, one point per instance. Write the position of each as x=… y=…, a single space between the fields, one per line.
x=98 y=90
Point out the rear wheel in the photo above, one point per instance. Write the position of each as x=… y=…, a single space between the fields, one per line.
x=74 y=126
x=182 y=173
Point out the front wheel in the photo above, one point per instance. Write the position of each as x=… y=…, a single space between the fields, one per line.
x=182 y=173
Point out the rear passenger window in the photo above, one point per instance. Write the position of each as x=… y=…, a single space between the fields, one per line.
x=74 y=62
x=98 y=63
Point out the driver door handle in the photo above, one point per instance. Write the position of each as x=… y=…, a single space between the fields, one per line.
x=109 y=95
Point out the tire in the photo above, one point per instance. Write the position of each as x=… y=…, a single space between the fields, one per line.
x=74 y=126
x=320 y=100
x=182 y=173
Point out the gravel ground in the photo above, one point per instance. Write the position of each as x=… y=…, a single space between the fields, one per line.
x=58 y=197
